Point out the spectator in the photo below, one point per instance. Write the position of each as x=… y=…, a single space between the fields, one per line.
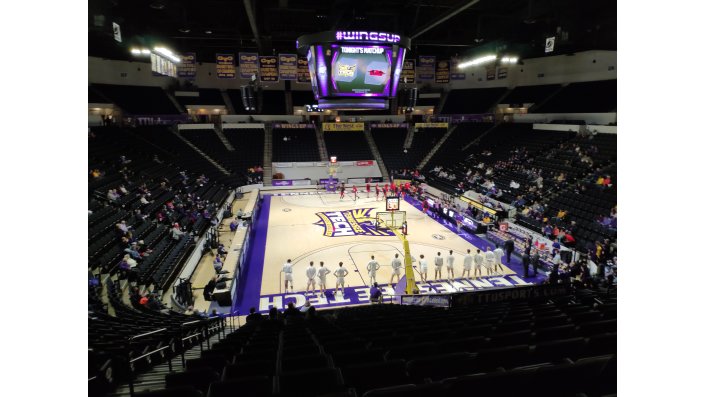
x=375 y=294
x=253 y=317
x=176 y=232
x=209 y=288
x=291 y=311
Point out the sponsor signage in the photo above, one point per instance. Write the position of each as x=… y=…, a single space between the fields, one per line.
x=343 y=126
x=293 y=126
x=390 y=125
x=431 y=125
x=364 y=163
x=361 y=35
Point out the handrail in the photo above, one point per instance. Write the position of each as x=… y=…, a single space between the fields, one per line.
x=146 y=334
x=148 y=354
x=194 y=322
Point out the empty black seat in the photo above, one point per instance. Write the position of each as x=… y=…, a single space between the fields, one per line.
x=182 y=391
x=422 y=390
x=553 y=333
x=310 y=382
x=441 y=366
x=248 y=369
x=602 y=344
x=369 y=376
x=506 y=357
x=558 y=349
x=511 y=338
x=244 y=387
x=470 y=345
x=598 y=327
x=215 y=363
x=309 y=362
x=355 y=357
x=198 y=378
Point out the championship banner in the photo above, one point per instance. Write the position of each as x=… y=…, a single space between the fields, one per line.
x=431 y=125
x=408 y=71
x=501 y=73
x=248 y=64
x=442 y=72
x=287 y=66
x=268 y=68
x=302 y=73
x=225 y=66
x=455 y=72
x=345 y=126
x=390 y=125
x=427 y=67
x=187 y=67
x=491 y=70
x=293 y=126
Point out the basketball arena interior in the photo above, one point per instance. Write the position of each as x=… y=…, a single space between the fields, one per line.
x=352 y=198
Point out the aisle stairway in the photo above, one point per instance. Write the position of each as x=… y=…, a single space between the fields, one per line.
x=375 y=153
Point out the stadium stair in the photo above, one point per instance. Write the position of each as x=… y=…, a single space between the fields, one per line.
x=267 y=159
x=375 y=152
x=321 y=143
x=175 y=102
x=479 y=138
x=154 y=379
x=536 y=106
x=436 y=147
x=199 y=151
x=219 y=133
x=409 y=136
x=227 y=101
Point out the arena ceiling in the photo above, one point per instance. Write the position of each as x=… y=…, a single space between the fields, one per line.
x=272 y=26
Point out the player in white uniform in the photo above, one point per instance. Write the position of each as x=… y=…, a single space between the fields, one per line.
x=467 y=263
x=372 y=267
x=498 y=253
x=438 y=261
x=450 y=260
x=311 y=276
x=396 y=268
x=479 y=262
x=490 y=260
x=287 y=269
x=423 y=268
x=322 y=273
x=340 y=273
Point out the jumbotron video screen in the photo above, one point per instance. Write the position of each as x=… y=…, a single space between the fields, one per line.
x=361 y=70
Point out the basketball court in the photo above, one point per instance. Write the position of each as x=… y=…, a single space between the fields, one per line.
x=318 y=226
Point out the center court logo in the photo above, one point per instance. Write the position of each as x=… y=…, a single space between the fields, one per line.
x=357 y=222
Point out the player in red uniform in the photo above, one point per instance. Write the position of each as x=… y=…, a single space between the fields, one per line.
x=368 y=189
x=386 y=189
x=354 y=190
x=376 y=191
x=342 y=190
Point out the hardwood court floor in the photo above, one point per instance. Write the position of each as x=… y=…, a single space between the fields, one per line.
x=295 y=231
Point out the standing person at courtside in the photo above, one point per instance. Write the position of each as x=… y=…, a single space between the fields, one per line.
x=438 y=261
x=372 y=267
x=450 y=260
x=311 y=276
x=288 y=269
x=490 y=260
x=423 y=268
x=322 y=273
x=467 y=263
x=479 y=262
x=342 y=191
x=396 y=268
x=340 y=273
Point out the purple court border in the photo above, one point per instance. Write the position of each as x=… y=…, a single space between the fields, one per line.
x=251 y=278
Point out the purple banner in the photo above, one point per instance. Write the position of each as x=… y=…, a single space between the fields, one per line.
x=187 y=67
x=268 y=68
x=287 y=66
x=426 y=68
x=442 y=72
x=293 y=126
x=455 y=72
x=225 y=66
x=248 y=64
x=390 y=125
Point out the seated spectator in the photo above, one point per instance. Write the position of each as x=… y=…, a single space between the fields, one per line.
x=253 y=317
x=176 y=232
x=291 y=311
x=375 y=294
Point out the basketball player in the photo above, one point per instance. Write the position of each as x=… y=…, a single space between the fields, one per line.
x=372 y=267
x=479 y=262
x=450 y=259
x=376 y=191
x=354 y=190
x=341 y=272
x=438 y=261
x=490 y=260
x=423 y=268
x=385 y=189
x=322 y=273
x=287 y=269
x=396 y=268
x=498 y=253
x=311 y=276
x=367 y=187
x=342 y=191
x=467 y=263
